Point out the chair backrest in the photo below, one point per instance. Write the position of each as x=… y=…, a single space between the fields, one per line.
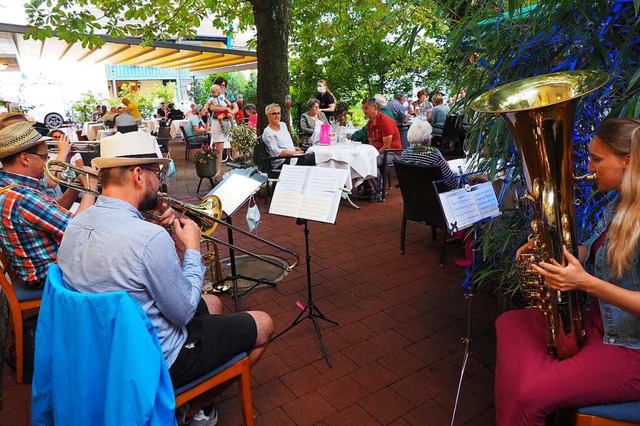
x=265 y=165
x=127 y=129
x=451 y=130
x=98 y=360
x=419 y=196
x=164 y=132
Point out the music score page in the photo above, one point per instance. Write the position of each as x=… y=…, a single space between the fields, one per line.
x=465 y=206
x=308 y=193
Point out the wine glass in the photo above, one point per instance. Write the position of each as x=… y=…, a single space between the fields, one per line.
x=287 y=102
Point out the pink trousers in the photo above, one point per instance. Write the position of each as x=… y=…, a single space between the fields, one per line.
x=530 y=383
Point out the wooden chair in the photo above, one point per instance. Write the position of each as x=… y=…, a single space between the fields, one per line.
x=623 y=414
x=20 y=299
x=420 y=200
x=143 y=371
x=191 y=144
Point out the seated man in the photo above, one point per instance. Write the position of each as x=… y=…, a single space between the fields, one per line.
x=400 y=116
x=110 y=117
x=110 y=247
x=125 y=118
x=32 y=222
x=383 y=134
x=361 y=135
x=196 y=129
x=174 y=113
x=278 y=141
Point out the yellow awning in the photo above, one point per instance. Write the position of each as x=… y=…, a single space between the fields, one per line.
x=129 y=51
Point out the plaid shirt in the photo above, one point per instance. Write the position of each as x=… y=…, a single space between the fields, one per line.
x=32 y=227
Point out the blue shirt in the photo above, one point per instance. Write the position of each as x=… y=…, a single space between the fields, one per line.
x=108 y=247
x=194 y=122
x=438 y=118
x=398 y=111
x=620 y=327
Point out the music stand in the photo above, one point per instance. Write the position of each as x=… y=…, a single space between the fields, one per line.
x=234 y=191
x=468 y=207
x=309 y=193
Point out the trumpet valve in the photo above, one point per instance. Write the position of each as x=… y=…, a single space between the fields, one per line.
x=68 y=174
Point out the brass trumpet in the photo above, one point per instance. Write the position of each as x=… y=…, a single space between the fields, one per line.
x=206 y=214
x=81 y=148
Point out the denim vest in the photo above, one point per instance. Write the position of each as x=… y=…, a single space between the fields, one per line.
x=620 y=327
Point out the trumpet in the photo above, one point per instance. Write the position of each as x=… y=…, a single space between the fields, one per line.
x=207 y=214
x=78 y=148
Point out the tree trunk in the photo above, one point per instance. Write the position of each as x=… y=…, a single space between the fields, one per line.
x=272 y=29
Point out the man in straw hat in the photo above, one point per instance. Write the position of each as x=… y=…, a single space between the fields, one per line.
x=32 y=222
x=110 y=247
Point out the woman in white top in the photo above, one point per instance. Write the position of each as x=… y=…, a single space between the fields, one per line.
x=278 y=141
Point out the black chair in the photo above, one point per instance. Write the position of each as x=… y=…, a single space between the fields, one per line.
x=453 y=134
x=266 y=166
x=164 y=136
x=420 y=200
x=386 y=169
x=193 y=142
x=127 y=129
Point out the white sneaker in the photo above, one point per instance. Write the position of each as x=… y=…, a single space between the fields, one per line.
x=201 y=419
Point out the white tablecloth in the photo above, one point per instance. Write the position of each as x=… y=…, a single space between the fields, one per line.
x=175 y=128
x=359 y=159
x=152 y=125
x=103 y=133
x=90 y=130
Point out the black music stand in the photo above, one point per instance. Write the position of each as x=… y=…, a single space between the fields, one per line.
x=298 y=188
x=481 y=209
x=242 y=191
x=313 y=313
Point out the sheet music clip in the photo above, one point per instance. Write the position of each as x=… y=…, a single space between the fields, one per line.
x=467 y=187
x=343 y=189
x=453 y=227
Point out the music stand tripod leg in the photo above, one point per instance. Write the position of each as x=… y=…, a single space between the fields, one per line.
x=311 y=310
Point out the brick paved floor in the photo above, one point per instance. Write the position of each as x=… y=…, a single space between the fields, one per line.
x=397 y=350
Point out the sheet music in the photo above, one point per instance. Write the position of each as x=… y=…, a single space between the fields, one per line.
x=308 y=192
x=234 y=192
x=465 y=206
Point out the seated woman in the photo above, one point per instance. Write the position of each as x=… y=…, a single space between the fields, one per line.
x=309 y=119
x=438 y=114
x=530 y=383
x=278 y=142
x=421 y=152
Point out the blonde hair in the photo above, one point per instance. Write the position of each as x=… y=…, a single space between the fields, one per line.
x=622 y=137
x=437 y=99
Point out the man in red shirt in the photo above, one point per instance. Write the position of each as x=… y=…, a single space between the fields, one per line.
x=383 y=134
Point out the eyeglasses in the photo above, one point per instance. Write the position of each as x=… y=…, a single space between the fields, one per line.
x=160 y=174
x=43 y=157
x=275 y=113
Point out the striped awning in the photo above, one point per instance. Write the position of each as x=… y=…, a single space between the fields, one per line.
x=198 y=57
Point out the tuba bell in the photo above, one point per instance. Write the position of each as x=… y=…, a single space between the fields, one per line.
x=539 y=112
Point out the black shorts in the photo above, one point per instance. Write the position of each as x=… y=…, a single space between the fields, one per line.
x=211 y=341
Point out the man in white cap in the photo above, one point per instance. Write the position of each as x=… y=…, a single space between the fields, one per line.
x=109 y=247
x=32 y=222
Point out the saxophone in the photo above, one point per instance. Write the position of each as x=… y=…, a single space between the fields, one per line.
x=539 y=112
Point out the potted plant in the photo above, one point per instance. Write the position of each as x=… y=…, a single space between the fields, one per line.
x=243 y=139
x=205 y=161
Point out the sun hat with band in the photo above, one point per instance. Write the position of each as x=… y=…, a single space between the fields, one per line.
x=18 y=137
x=9 y=118
x=129 y=149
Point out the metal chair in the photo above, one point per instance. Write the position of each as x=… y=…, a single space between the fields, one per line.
x=20 y=299
x=191 y=143
x=622 y=414
x=420 y=200
x=386 y=169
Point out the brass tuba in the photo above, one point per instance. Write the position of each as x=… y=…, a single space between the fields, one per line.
x=539 y=112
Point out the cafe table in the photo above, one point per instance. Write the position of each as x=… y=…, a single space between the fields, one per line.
x=359 y=159
x=174 y=130
x=90 y=130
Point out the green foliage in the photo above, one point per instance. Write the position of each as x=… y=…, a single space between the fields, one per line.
x=85 y=107
x=237 y=84
x=356 y=48
x=163 y=93
x=243 y=139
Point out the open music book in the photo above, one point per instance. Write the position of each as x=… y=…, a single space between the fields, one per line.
x=308 y=193
x=465 y=206
x=234 y=192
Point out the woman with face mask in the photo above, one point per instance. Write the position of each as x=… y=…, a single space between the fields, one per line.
x=327 y=100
